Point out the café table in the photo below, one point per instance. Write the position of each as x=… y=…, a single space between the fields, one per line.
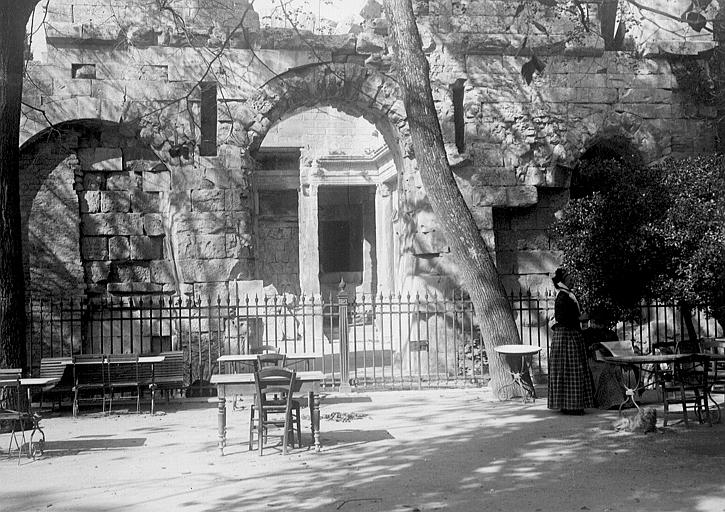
x=233 y=384
x=655 y=360
x=36 y=442
x=519 y=358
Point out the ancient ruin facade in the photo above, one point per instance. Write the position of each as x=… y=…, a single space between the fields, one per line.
x=148 y=165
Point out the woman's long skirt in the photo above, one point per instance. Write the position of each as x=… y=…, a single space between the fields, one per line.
x=570 y=380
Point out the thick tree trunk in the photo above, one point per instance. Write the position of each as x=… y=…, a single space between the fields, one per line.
x=478 y=273
x=13 y=18
x=717 y=64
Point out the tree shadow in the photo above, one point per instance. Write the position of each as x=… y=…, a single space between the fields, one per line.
x=77 y=446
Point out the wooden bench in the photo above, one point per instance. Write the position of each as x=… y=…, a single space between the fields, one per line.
x=165 y=376
x=61 y=368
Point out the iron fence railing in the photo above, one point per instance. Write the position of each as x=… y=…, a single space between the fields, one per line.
x=367 y=341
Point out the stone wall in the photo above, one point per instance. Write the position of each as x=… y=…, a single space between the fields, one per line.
x=183 y=221
x=278 y=235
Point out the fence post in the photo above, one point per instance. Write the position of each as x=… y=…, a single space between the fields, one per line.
x=342 y=308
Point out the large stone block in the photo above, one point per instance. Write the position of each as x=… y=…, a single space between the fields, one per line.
x=130 y=272
x=211 y=200
x=112 y=224
x=121 y=181
x=524 y=195
x=94 y=181
x=199 y=271
x=98 y=271
x=145 y=202
x=211 y=246
x=201 y=223
x=94 y=248
x=115 y=201
x=146 y=248
x=90 y=201
x=162 y=271
x=368 y=42
x=118 y=248
x=156 y=181
x=132 y=288
x=153 y=224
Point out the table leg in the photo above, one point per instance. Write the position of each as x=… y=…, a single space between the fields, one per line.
x=315 y=414
x=222 y=422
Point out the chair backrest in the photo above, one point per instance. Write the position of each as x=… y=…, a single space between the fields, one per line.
x=264 y=349
x=56 y=367
x=9 y=392
x=122 y=367
x=173 y=364
x=274 y=381
x=11 y=373
x=715 y=347
x=265 y=360
x=89 y=369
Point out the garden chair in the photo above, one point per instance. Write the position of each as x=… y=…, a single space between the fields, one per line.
x=274 y=407
x=123 y=377
x=684 y=383
x=168 y=375
x=14 y=410
x=89 y=377
x=715 y=371
x=61 y=368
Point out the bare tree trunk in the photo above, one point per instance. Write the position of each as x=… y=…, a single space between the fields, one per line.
x=13 y=18
x=479 y=275
x=717 y=63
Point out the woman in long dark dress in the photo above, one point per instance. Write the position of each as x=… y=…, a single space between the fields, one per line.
x=571 y=387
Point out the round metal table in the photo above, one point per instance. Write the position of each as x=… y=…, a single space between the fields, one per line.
x=518 y=358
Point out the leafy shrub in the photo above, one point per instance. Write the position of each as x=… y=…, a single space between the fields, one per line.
x=647 y=233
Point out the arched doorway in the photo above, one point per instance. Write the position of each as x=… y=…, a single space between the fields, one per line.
x=325 y=190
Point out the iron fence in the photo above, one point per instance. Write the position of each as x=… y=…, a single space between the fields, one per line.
x=394 y=341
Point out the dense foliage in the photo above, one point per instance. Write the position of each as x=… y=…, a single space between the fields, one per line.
x=654 y=233
x=607 y=238
x=693 y=232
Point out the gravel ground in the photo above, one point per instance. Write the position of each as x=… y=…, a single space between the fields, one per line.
x=406 y=451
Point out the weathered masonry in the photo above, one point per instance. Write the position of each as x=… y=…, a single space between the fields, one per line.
x=147 y=168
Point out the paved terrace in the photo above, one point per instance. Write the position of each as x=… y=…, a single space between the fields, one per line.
x=450 y=450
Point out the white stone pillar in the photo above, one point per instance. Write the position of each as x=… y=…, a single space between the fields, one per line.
x=385 y=239
x=309 y=240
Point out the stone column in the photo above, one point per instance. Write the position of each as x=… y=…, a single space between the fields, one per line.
x=385 y=239
x=309 y=240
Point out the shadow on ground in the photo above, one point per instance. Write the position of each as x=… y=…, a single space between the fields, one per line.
x=452 y=451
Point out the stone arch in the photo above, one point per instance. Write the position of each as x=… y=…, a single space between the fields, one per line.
x=605 y=146
x=69 y=170
x=612 y=144
x=649 y=138
x=36 y=124
x=359 y=91
x=351 y=88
